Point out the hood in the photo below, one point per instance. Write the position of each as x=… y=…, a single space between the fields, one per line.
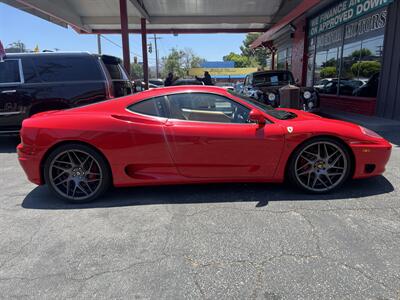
x=317 y=123
x=45 y=113
x=269 y=89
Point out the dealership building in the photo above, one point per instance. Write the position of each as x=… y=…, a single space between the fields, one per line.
x=349 y=50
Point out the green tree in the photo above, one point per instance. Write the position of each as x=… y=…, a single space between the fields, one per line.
x=328 y=72
x=240 y=61
x=361 y=53
x=179 y=62
x=16 y=47
x=330 y=63
x=136 y=71
x=259 y=54
x=365 y=68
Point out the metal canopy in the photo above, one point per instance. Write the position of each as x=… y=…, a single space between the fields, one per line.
x=162 y=16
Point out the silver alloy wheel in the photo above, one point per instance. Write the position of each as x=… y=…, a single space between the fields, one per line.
x=321 y=166
x=75 y=174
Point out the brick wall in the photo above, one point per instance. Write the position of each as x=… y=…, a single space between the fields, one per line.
x=358 y=105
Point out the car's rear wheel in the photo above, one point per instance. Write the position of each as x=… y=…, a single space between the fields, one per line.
x=320 y=165
x=77 y=173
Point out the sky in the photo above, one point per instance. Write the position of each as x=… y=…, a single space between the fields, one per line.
x=16 y=25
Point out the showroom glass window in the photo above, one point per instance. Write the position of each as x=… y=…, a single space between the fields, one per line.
x=284 y=59
x=327 y=57
x=348 y=59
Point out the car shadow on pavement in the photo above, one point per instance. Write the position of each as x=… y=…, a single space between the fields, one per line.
x=9 y=143
x=261 y=194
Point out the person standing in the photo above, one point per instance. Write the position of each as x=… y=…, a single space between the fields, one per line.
x=206 y=79
x=169 y=80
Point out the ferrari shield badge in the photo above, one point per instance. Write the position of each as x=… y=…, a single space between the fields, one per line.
x=290 y=129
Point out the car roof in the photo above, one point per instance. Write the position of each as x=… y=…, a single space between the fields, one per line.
x=186 y=79
x=182 y=88
x=269 y=72
x=57 y=54
x=123 y=101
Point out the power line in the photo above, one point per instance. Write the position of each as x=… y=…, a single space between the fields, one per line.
x=155 y=38
x=119 y=46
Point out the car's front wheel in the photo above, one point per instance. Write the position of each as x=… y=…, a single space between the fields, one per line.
x=77 y=173
x=320 y=165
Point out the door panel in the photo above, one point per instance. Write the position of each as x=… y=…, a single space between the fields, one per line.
x=149 y=156
x=13 y=107
x=220 y=150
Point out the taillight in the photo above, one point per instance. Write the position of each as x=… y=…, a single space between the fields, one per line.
x=109 y=90
x=370 y=133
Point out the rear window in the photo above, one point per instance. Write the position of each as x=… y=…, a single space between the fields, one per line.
x=61 y=68
x=116 y=71
x=9 y=71
x=278 y=78
x=187 y=82
x=151 y=107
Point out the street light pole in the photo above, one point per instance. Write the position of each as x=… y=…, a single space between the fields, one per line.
x=99 y=44
x=155 y=45
x=155 y=38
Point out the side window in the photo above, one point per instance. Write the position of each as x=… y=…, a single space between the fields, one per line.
x=9 y=71
x=151 y=107
x=250 y=80
x=29 y=71
x=116 y=71
x=67 y=68
x=206 y=107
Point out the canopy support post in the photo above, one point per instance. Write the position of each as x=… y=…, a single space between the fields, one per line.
x=125 y=35
x=144 y=53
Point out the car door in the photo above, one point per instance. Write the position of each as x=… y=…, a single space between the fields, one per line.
x=149 y=157
x=209 y=136
x=12 y=97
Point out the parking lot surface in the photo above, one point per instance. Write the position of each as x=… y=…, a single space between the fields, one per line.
x=257 y=241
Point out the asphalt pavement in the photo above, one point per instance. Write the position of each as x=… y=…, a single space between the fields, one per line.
x=240 y=241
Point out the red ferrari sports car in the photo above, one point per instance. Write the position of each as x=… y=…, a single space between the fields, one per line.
x=192 y=134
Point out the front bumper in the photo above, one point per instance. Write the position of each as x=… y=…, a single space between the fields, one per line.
x=371 y=159
x=30 y=163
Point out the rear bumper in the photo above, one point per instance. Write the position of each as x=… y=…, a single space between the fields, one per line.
x=371 y=159
x=30 y=164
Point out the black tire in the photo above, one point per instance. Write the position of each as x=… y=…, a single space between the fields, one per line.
x=326 y=172
x=94 y=187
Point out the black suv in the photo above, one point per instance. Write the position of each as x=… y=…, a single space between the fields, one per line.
x=35 y=82
x=264 y=86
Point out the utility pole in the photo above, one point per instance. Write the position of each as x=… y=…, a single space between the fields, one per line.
x=155 y=38
x=99 y=44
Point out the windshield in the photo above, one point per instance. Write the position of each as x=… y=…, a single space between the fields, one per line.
x=271 y=79
x=278 y=114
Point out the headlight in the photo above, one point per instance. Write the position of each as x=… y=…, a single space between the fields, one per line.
x=307 y=95
x=310 y=105
x=370 y=133
x=271 y=97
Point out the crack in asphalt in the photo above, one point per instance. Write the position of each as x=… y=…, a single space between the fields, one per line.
x=83 y=279
x=21 y=249
x=336 y=262
x=296 y=210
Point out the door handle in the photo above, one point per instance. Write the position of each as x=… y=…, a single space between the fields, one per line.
x=9 y=91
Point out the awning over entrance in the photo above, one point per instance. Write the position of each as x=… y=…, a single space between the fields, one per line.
x=302 y=8
x=159 y=16
x=163 y=16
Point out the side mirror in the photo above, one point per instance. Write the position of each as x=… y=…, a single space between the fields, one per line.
x=256 y=117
